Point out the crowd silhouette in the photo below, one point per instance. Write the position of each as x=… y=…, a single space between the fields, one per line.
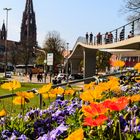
x=106 y=38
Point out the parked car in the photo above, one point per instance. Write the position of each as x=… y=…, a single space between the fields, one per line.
x=61 y=76
x=8 y=74
x=75 y=76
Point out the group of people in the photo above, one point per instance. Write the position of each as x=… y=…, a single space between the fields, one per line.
x=108 y=37
x=89 y=38
x=39 y=76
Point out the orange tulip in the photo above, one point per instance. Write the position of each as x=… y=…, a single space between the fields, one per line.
x=89 y=121
x=94 y=109
x=116 y=105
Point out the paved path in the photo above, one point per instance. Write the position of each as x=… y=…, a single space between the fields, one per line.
x=26 y=79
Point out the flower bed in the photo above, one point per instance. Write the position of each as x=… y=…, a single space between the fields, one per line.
x=107 y=110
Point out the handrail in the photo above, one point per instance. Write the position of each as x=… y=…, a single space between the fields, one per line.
x=76 y=81
x=128 y=32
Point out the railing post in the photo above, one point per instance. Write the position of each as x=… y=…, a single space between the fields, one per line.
x=132 y=32
x=116 y=35
x=94 y=40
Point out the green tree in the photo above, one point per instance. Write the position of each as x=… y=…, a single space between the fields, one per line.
x=54 y=44
x=102 y=60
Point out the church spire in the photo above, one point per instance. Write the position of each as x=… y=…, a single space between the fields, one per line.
x=28 y=26
x=3 y=31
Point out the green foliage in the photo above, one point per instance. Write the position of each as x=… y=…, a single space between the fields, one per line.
x=54 y=44
x=102 y=59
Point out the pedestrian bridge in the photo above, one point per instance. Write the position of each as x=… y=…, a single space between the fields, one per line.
x=87 y=53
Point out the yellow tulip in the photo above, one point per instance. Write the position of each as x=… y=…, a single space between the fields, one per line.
x=118 y=63
x=45 y=88
x=135 y=98
x=11 y=85
x=58 y=90
x=2 y=113
x=89 y=86
x=76 y=135
x=48 y=95
x=69 y=91
x=25 y=94
x=137 y=67
x=87 y=95
x=19 y=100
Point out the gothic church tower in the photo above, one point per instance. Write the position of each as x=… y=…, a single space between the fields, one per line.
x=28 y=27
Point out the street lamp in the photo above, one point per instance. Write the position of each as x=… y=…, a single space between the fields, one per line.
x=67 y=67
x=45 y=61
x=7 y=10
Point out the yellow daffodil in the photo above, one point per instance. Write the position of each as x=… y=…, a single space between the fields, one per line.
x=118 y=63
x=137 y=67
x=76 y=135
x=19 y=100
x=11 y=85
x=25 y=94
x=45 y=88
x=3 y=113
x=69 y=91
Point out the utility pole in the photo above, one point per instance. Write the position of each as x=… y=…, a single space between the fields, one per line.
x=67 y=67
x=6 y=46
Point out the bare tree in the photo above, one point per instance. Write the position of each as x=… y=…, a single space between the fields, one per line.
x=54 y=44
x=132 y=8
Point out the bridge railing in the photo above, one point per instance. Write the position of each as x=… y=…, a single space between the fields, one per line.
x=93 y=78
x=126 y=31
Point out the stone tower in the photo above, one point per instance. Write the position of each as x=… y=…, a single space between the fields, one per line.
x=3 y=32
x=28 y=37
x=28 y=26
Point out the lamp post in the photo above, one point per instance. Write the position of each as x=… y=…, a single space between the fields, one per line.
x=45 y=61
x=7 y=10
x=67 y=67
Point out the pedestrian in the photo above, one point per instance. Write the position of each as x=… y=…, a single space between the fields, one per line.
x=86 y=37
x=130 y=34
x=91 y=39
x=30 y=75
x=99 y=38
x=106 y=38
x=110 y=37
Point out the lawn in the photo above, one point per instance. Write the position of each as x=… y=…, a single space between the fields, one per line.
x=7 y=102
x=24 y=87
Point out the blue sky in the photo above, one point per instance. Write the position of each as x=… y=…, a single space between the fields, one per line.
x=71 y=18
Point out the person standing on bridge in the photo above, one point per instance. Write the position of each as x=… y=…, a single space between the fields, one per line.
x=86 y=37
x=91 y=39
x=99 y=38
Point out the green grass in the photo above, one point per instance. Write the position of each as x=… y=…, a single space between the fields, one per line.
x=16 y=109
x=24 y=87
x=7 y=102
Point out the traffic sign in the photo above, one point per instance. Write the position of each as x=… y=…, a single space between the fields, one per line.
x=50 y=59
